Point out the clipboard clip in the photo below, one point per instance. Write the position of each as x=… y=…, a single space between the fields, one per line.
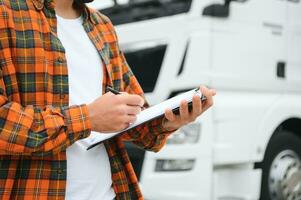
x=197 y=92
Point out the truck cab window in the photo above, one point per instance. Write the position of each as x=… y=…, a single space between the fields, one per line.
x=140 y=10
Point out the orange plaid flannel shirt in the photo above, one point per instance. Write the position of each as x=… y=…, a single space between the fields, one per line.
x=36 y=123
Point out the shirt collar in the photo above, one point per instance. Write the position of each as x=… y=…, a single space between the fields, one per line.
x=39 y=5
x=88 y=16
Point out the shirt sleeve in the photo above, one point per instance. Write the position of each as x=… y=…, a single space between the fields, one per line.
x=32 y=130
x=40 y=131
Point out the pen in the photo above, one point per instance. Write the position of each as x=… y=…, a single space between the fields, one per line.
x=110 y=89
x=113 y=91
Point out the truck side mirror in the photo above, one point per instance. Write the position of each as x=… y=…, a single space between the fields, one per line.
x=217 y=10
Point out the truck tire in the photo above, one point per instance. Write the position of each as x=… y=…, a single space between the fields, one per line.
x=281 y=175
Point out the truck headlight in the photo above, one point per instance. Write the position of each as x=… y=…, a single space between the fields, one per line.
x=188 y=134
x=174 y=165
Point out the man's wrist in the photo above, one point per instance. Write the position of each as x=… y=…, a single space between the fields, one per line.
x=90 y=115
x=166 y=127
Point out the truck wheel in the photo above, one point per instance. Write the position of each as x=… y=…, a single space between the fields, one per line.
x=281 y=178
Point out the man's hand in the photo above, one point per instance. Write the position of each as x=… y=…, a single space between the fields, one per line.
x=111 y=113
x=173 y=122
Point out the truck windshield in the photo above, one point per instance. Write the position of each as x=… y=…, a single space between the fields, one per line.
x=139 y=10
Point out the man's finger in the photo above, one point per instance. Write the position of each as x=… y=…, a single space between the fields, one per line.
x=197 y=106
x=133 y=110
x=209 y=94
x=184 y=113
x=169 y=115
x=130 y=119
x=205 y=91
x=133 y=100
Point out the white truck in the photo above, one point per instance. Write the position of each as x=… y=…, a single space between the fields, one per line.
x=248 y=146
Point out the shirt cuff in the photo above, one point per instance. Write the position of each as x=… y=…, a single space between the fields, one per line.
x=157 y=127
x=77 y=120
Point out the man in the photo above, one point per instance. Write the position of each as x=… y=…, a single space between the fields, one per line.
x=56 y=58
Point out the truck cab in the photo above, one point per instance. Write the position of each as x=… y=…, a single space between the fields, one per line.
x=248 y=146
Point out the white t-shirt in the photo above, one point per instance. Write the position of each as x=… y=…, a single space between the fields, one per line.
x=88 y=172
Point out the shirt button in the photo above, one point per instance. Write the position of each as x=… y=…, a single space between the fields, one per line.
x=62 y=96
x=60 y=60
x=60 y=171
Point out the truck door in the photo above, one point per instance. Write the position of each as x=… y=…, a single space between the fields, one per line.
x=248 y=47
x=249 y=43
x=293 y=45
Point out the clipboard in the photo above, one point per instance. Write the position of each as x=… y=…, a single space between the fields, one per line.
x=155 y=112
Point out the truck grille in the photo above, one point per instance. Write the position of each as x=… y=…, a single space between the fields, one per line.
x=146 y=65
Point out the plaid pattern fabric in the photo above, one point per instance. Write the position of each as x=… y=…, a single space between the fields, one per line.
x=36 y=123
